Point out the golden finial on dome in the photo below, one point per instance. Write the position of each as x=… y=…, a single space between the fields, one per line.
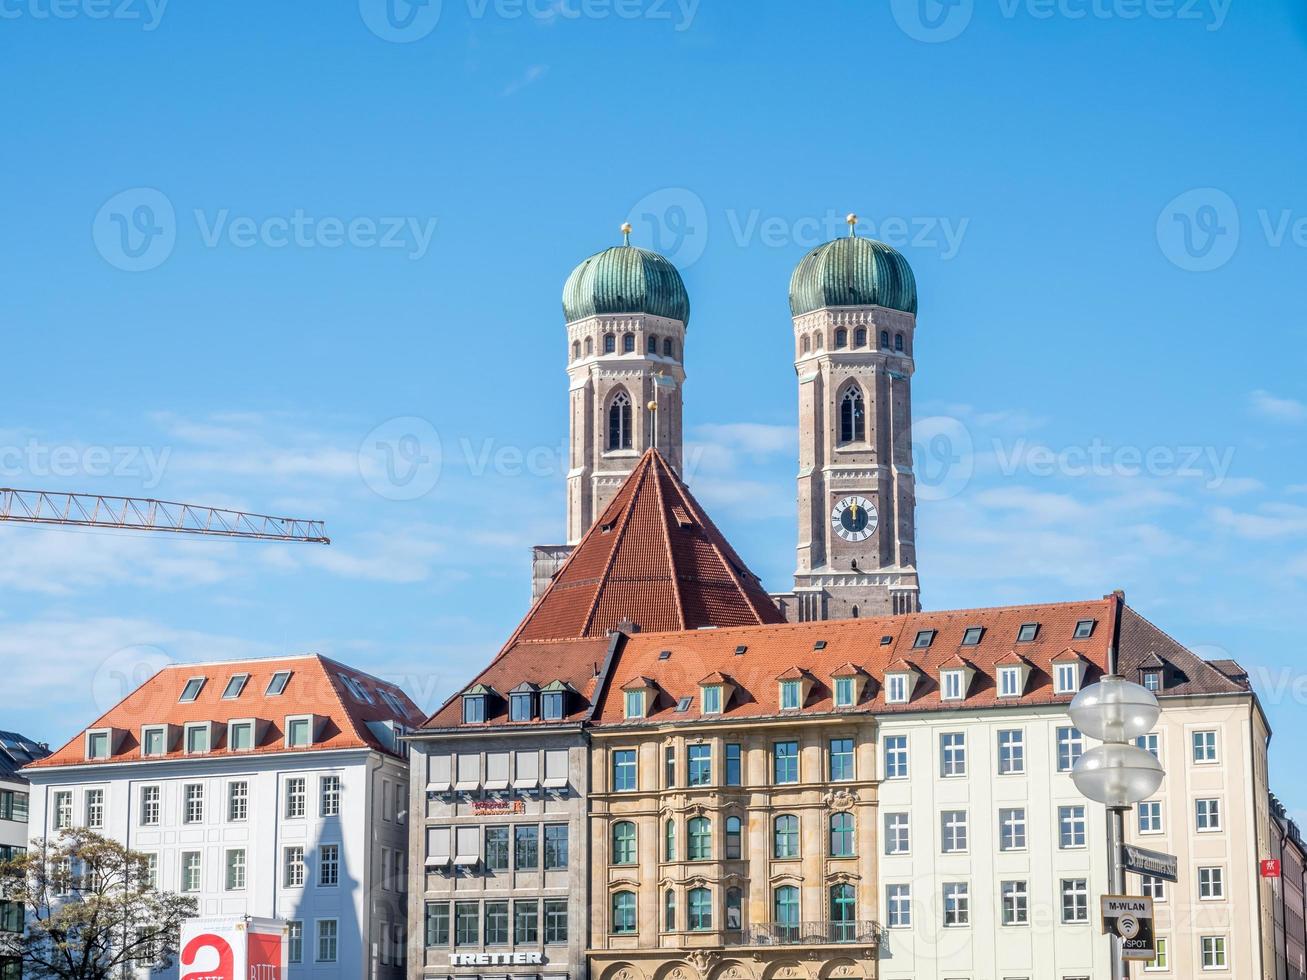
x=852 y=221
x=626 y=232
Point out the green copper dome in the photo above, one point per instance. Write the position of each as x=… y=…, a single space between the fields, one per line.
x=626 y=279
x=853 y=272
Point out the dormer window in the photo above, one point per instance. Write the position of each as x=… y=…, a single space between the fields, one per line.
x=1085 y=629
x=553 y=701
x=844 y=692
x=1066 y=677
x=791 y=695
x=198 y=738
x=924 y=639
x=192 y=690
x=235 y=684
x=521 y=705
x=154 y=740
x=972 y=636
x=712 y=699
x=1153 y=680
x=896 y=688
x=299 y=731
x=98 y=744
x=1028 y=632
x=240 y=735
x=953 y=686
x=1009 y=682
x=635 y=704
x=277 y=685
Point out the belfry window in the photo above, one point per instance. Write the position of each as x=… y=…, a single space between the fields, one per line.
x=619 y=422
x=576 y=349
x=628 y=343
x=841 y=338
x=853 y=419
x=804 y=345
x=898 y=342
x=653 y=344
x=589 y=346
x=860 y=337
x=884 y=339
x=668 y=349
x=610 y=343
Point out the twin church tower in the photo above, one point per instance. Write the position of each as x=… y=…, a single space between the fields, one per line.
x=854 y=305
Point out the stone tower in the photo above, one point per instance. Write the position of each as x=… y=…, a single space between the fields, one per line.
x=626 y=310
x=854 y=303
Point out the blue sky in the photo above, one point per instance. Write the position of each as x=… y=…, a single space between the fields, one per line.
x=241 y=240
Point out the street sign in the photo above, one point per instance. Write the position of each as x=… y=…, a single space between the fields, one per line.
x=1130 y=918
x=1271 y=868
x=1155 y=864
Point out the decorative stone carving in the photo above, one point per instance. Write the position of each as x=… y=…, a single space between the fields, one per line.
x=702 y=960
x=839 y=799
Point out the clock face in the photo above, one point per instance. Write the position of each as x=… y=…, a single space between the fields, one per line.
x=854 y=518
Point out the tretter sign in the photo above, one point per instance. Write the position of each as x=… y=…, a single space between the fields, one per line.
x=496 y=959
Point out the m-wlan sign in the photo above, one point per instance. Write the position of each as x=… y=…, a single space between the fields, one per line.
x=1131 y=919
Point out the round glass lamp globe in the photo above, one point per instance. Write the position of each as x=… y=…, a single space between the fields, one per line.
x=1115 y=710
x=1117 y=775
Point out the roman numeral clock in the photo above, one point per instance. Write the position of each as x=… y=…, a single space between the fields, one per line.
x=854 y=518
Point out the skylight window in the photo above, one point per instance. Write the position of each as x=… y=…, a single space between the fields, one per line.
x=1085 y=629
x=192 y=689
x=665 y=655
x=234 y=686
x=972 y=636
x=741 y=650
x=819 y=645
x=886 y=640
x=278 y=683
x=356 y=688
x=392 y=702
x=1028 y=632
x=924 y=639
x=683 y=704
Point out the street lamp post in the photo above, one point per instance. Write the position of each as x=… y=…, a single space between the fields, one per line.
x=1117 y=773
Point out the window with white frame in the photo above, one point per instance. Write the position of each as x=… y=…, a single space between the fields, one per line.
x=193 y=800
x=896 y=757
x=1150 y=886
x=1070 y=746
x=1213 y=951
x=1151 y=743
x=711 y=699
x=791 y=695
x=1009 y=682
x=192 y=875
x=1211 y=884
x=953 y=831
x=1207 y=815
x=63 y=810
x=1150 y=817
x=192 y=689
x=329 y=865
x=327 y=940
x=295 y=941
x=329 y=796
x=1066 y=678
x=898 y=838
x=1012 y=829
x=1011 y=752
x=235 y=685
x=896 y=688
x=1071 y=826
x=299 y=732
x=154 y=740
x=95 y=809
x=238 y=800
x=292 y=867
x=1204 y=744
x=240 y=736
x=97 y=745
x=151 y=806
x=1015 y=902
x=235 y=881
x=845 y=690
x=1075 y=900
x=957 y=904
x=898 y=904
x=296 y=797
x=954 y=681
x=634 y=703
x=197 y=738
x=953 y=754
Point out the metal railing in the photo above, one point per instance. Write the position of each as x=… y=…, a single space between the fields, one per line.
x=827 y=933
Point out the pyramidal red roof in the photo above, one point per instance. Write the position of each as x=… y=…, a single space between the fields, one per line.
x=653 y=558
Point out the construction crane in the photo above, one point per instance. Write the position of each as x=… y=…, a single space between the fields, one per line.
x=138 y=514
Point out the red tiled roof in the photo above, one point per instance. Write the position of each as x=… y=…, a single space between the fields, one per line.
x=655 y=559
x=1069 y=656
x=315 y=687
x=779 y=650
x=901 y=666
x=1143 y=645
x=793 y=674
x=1013 y=659
x=716 y=677
x=957 y=661
x=846 y=670
x=574 y=662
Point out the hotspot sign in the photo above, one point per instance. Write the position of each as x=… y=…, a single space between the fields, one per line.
x=1131 y=919
x=234 y=948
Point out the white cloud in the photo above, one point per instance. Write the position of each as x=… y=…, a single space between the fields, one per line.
x=1273 y=521
x=1278 y=409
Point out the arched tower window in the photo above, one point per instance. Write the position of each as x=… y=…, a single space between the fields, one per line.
x=589 y=346
x=805 y=344
x=841 y=338
x=898 y=342
x=628 y=343
x=860 y=337
x=619 y=421
x=884 y=339
x=576 y=349
x=610 y=343
x=669 y=911
x=653 y=344
x=853 y=416
x=668 y=349
x=855 y=612
x=821 y=341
